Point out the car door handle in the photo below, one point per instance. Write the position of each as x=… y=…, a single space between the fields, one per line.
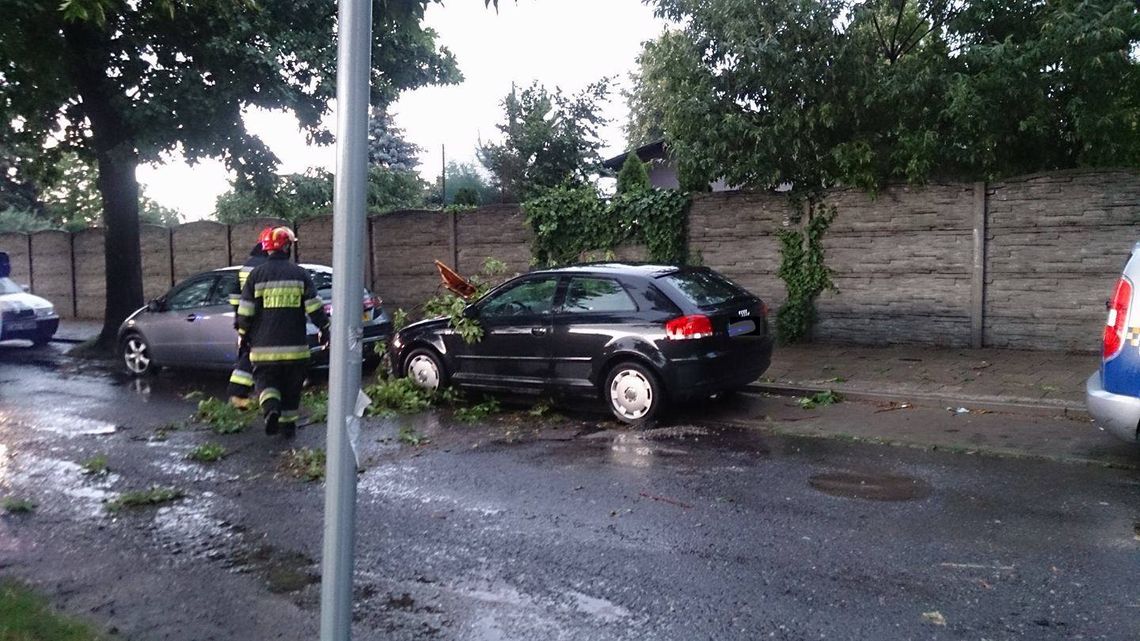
x=539 y=331
x=190 y=318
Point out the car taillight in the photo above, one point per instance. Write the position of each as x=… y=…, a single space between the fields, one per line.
x=1114 y=327
x=688 y=327
x=372 y=302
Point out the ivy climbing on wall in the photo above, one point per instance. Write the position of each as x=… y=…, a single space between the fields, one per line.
x=803 y=270
x=568 y=222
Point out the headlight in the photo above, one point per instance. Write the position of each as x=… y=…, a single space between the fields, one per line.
x=44 y=312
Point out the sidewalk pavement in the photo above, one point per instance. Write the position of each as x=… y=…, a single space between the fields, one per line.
x=1019 y=381
x=77 y=330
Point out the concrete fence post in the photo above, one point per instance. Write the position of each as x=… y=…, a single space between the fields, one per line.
x=74 y=288
x=978 y=284
x=170 y=251
x=31 y=269
x=453 y=227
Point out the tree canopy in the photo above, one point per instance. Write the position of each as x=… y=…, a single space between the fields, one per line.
x=861 y=93
x=392 y=182
x=549 y=138
x=122 y=82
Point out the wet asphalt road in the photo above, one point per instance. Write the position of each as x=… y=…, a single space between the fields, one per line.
x=557 y=528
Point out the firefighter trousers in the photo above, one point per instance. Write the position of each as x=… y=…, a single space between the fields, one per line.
x=241 y=379
x=279 y=389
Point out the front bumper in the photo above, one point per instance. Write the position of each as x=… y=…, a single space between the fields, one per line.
x=1116 y=413
x=44 y=329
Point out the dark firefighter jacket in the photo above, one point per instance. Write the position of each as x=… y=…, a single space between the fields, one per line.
x=256 y=258
x=271 y=313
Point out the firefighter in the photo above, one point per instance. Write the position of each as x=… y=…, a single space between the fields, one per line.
x=241 y=379
x=275 y=300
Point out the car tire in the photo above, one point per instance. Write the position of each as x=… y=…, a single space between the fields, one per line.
x=634 y=394
x=426 y=369
x=41 y=339
x=137 y=359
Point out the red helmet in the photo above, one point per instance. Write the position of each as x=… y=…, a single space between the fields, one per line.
x=263 y=237
x=278 y=239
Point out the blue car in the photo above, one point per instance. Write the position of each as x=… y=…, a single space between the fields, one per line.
x=1113 y=393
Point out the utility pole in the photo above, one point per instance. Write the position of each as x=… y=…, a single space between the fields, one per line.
x=443 y=177
x=354 y=63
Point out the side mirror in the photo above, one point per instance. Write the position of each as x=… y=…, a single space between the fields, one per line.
x=470 y=312
x=27 y=290
x=154 y=305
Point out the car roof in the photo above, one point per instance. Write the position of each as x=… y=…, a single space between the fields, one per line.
x=647 y=270
x=310 y=266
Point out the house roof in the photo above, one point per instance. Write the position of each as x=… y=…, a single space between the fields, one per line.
x=645 y=153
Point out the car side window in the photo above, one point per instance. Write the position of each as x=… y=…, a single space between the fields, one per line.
x=525 y=299
x=227 y=286
x=195 y=293
x=596 y=295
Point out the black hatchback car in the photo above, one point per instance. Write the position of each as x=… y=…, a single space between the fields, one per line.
x=635 y=335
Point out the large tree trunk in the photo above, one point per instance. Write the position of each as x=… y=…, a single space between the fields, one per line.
x=122 y=257
x=112 y=142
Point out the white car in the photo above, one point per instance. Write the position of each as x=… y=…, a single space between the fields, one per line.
x=22 y=315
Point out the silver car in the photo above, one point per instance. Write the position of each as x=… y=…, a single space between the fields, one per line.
x=192 y=325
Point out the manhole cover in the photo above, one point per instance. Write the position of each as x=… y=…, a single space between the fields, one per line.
x=873 y=487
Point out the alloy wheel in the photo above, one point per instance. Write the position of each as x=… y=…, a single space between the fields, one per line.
x=136 y=355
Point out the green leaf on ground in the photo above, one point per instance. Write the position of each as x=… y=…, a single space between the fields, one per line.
x=207 y=453
x=96 y=465
x=409 y=436
x=304 y=463
x=26 y=616
x=154 y=496
x=820 y=399
x=224 y=418
x=13 y=505
x=477 y=412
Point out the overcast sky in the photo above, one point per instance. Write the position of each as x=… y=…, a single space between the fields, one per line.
x=564 y=43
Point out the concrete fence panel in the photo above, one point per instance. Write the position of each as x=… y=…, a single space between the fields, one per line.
x=315 y=242
x=52 y=270
x=735 y=233
x=903 y=263
x=199 y=246
x=1055 y=246
x=404 y=244
x=495 y=231
x=90 y=273
x=18 y=248
x=157 y=263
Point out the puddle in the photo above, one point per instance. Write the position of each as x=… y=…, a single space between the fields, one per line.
x=82 y=494
x=601 y=609
x=872 y=487
x=283 y=571
x=402 y=482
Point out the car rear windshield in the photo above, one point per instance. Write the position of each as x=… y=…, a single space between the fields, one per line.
x=705 y=288
x=323 y=282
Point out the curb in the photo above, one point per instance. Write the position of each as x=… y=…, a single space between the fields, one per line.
x=1028 y=407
